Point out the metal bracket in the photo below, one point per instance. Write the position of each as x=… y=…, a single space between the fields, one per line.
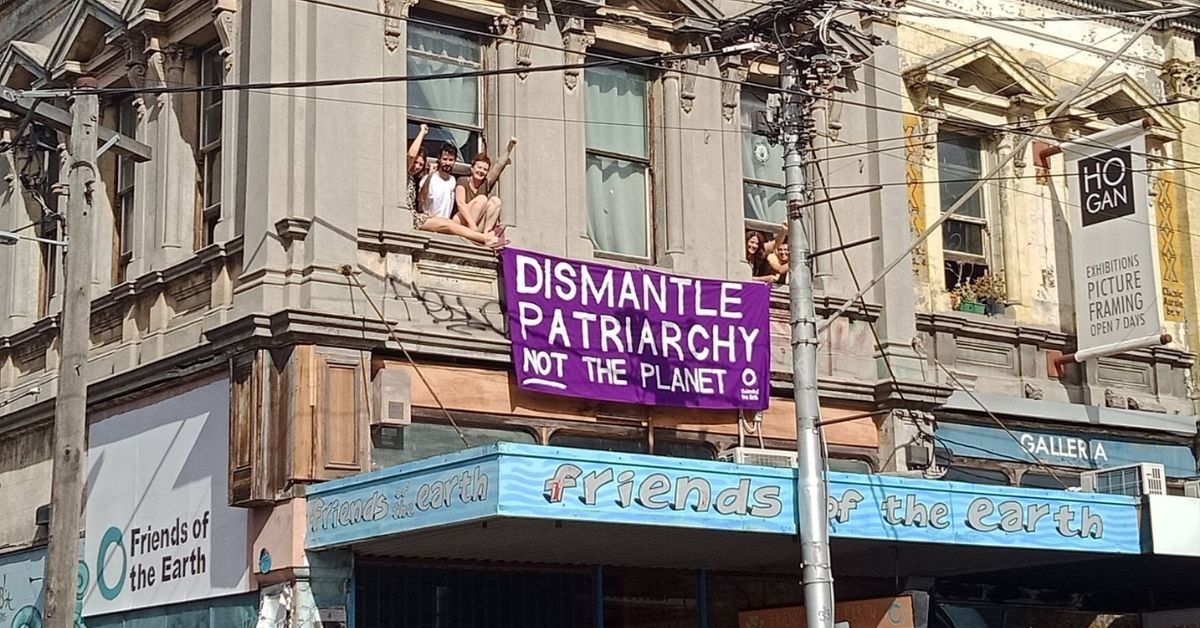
x=107 y=145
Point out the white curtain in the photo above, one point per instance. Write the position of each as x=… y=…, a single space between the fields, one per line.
x=616 y=112
x=453 y=101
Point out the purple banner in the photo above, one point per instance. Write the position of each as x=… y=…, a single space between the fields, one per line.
x=600 y=332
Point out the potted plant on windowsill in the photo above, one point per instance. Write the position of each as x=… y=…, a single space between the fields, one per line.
x=985 y=294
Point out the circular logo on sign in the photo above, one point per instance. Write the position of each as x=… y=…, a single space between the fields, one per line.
x=761 y=152
x=749 y=378
x=110 y=544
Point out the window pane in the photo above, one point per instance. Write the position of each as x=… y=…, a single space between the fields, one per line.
x=211 y=125
x=617 y=205
x=467 y=142
x=1043 y=480
x=760 y=160
x=849 y=465
x=212 y=178
x=764 y=202
x=126 y=224
x=434 y=51
x=976 y=476
x=424 y=440
x=212 y=69
x=960 y=163
x=963 y=237
x=615 y=106
x=968 y=617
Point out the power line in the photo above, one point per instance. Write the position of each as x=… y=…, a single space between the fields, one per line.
x=482 y=73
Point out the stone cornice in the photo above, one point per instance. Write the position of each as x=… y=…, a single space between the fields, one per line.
x=1001 y=330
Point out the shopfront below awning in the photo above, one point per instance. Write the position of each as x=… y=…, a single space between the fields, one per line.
x=534 y=504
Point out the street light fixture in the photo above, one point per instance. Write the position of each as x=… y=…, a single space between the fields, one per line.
x=10 y=238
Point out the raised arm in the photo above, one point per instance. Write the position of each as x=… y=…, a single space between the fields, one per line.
x=782 y=235
x=415 y=148
x=498 y=169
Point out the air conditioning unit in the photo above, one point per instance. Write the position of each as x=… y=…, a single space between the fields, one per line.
x=1191 y=488
x=391 y=398
x=759 y=457
x=1146 y=478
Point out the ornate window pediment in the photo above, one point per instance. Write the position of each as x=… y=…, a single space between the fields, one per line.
x=1120 y=99
x=982 y=73
x=84 y=35
x=23 y=64
x=693 y=15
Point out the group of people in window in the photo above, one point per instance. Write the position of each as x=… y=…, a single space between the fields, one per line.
x=464 y=206
x=769 y=256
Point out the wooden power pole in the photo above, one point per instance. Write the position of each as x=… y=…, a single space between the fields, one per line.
x=70 y=408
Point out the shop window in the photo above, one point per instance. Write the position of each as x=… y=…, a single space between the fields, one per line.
x=651 y=599
x=238 y=611
x=212 y=70
x=975 y=475
x=451 y=107
x=617 y=112
x=763 y=202
x=849 y=465
x=424 y=440
x=123 y=195
x=662 y=447
x=1032 y=479
x=399 y=596
x=965 y=234
x=956 y=616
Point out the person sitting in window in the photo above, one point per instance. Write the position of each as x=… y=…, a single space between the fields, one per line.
x=779 y=260
x=478 y=208
x=435 y=197
x=758 y=247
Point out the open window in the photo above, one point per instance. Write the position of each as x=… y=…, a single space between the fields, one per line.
x=452 y=107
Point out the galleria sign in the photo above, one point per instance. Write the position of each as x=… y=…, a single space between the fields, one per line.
x=1070 y=447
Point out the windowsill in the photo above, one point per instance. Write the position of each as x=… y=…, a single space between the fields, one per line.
x=622 y=257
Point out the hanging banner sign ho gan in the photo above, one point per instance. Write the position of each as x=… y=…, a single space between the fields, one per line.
x=1116 y=294
x=601 y=332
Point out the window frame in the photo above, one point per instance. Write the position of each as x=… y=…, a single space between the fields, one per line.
x=124 y=193
x=752 y=224
x=414 y=120
x=646 y=162
x=209 y=154
x=963 y=265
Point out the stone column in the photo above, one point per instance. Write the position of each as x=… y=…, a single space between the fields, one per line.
x=267 y=168
x=672 y=167
x=226 y=22
x=1181 y=80
x=897 y=321
x=19 y=293
x=393 y=214
x=576 y=40
x=177 y=134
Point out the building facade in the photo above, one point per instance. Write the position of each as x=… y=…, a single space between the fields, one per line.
x=263 y=271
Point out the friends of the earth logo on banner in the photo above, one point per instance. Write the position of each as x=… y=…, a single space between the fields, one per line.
x=159 y=526
x=1116 y=290
x=591 y=330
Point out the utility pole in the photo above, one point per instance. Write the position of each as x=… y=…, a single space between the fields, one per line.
x=70 y=407
x=811 y=494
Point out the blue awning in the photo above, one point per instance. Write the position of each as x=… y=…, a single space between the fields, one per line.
x=647 y=495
